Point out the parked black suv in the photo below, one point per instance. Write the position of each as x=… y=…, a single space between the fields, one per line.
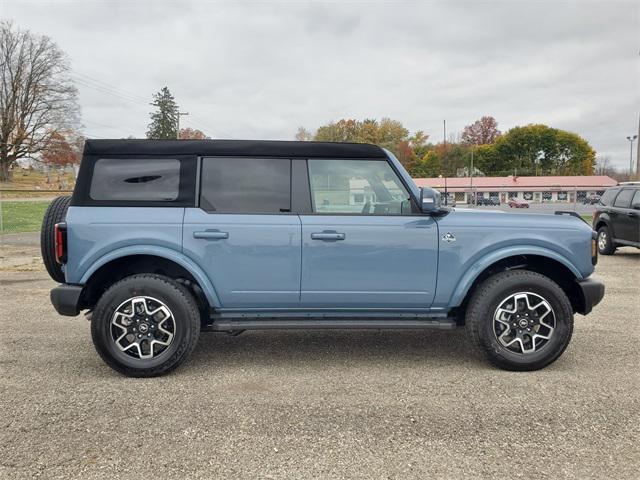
x=617 y=218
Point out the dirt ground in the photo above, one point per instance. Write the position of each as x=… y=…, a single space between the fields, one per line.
x=316 y=404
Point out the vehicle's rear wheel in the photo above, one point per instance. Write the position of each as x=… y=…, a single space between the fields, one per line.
x=606 y=246
x=56 y=212
x=520 y=320
x=145 y=325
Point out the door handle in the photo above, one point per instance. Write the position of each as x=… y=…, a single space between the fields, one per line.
x=631 y=214
x=328 y=236
x=211 y=235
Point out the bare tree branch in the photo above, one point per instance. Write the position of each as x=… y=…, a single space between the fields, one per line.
x=37 y=95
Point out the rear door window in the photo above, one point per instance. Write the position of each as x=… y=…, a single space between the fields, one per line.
x=246 y=185
x=152 y=180
x=623 y=200
x=608 y=196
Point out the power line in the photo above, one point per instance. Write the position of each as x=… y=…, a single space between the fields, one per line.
x=109 y=89
x=204 y=125
x=103 y=125
x=197 y=125
x=105 y=87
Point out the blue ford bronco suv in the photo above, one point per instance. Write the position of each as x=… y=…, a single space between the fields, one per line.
x=164 y=239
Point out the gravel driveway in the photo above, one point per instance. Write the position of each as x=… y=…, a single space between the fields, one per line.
x=323 y=404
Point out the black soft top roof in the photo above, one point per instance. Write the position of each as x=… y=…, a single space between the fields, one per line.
x=251 y=148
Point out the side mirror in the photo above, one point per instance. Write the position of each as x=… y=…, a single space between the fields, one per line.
x=636 y=206
x=430 y=200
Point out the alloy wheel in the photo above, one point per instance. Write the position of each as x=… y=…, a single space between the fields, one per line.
x=142 y=327
x=602 y=240
x=524 y=322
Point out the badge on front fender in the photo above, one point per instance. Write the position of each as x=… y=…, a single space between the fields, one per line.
x=449 y=237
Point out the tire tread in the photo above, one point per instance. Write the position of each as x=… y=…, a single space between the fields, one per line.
x=610 y=249
x=56 y=212
x=476 y=314
x=183 y=350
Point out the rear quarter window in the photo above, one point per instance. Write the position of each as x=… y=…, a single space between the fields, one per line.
x=153 y=180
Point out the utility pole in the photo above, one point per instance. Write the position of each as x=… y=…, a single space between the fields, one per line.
x=631 y=140
x=178 y=122
x=638 y=152
x=444 y=125
x=444 y=154
x=446 y=195
x=473 y=197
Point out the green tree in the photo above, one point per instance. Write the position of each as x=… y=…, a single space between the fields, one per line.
x=428 y=166
x=453 y=157
x=391 y=133
x=541 y=150
x=486 y=160
x=345 y=130
x=164 y=121
x=387 y=133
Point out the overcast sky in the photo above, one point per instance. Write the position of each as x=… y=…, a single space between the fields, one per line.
x=260 y=69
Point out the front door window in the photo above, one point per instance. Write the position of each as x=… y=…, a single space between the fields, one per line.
x=357 y=187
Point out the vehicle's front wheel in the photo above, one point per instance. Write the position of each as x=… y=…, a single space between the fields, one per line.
x=145 y=325
x=520 y=320
x=606 y=246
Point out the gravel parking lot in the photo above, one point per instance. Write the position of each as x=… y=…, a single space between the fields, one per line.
x=325 y=404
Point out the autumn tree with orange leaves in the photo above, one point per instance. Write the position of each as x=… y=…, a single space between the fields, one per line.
x=387 y=133
x=62 y=149
x=191 y=134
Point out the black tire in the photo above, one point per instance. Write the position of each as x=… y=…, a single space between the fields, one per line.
x=489 y=296
x=606 y=244
x=174 y=296
x=56 y=213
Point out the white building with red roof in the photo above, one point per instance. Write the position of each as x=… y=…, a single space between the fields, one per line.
x=532 y=189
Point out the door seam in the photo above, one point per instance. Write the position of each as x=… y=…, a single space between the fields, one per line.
x=300 y=276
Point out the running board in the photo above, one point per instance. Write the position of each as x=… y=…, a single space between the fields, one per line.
x=225 y=325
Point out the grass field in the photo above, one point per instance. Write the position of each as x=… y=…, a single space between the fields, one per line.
x=18 y=217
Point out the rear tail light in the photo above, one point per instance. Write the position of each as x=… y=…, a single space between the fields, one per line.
x=60 y=236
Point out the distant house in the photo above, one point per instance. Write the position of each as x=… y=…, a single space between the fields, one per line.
x=532 y=189
x=28 y=162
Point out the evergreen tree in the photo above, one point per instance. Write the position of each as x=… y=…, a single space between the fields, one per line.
x=164 y=121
